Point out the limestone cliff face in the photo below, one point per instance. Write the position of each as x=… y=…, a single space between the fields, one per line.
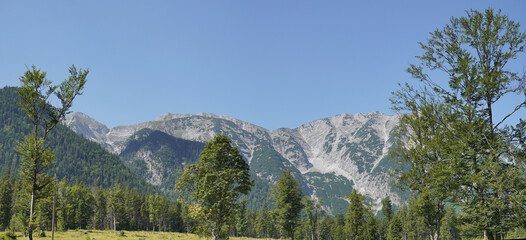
x=332 y=155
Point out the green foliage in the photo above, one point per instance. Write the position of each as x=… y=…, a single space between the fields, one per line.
x=116 y=205
x=455 y=143
x=241 y=219
x=6 y=199
x=424 y=145
x=313 y=212
x=450 y=225
x=287 y=196
x=339 y=227
x=395 y=228
x=414 y=225
x=37 y=158
x=216 y=182
x=358 y=214
x=387 y=208
x=371 y=228
x=264 y=227
x=9 y=235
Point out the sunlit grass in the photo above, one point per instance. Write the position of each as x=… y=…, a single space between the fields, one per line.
x=128 y=235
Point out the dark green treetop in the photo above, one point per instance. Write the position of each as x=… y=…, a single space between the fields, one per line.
x=215 y=183
x=287 y=197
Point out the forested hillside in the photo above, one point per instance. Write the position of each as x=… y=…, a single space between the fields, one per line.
x=79 y=159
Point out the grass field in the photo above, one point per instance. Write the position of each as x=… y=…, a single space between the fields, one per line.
x=128 y=235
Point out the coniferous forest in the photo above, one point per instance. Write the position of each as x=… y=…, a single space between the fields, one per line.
x=462 y=165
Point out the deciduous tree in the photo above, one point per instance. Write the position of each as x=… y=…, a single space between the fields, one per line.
x=215 y=182
x=452 y=137
x=37 y=158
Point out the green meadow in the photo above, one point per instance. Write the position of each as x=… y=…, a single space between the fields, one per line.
x=109 y=235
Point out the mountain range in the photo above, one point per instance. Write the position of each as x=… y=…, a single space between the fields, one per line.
x=330 y=156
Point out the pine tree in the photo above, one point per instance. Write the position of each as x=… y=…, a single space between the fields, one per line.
x=339 y=227
x=395 y=228
x=241 y=219
x=100 y=209
x=387 y=208
x=62 y=204
x=313 y=212
x=450 y=223
x=355 y=224
x=133 y=209
x=371 y=227
x=263 y=222
x=116 y=206
x=287 y=197
x=6 y=199
x=153 y=210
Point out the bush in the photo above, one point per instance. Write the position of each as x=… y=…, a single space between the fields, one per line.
x=8 y=235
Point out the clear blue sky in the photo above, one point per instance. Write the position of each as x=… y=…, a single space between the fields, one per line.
x=271 y=63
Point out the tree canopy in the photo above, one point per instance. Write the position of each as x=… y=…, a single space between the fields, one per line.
x=452 y=138
x=37 y=158
x=287 y=197
x=215 y=183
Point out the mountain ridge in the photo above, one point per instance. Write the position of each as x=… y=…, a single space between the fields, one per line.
x=355 y=147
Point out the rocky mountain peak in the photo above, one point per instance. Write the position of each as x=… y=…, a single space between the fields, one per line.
x=349 y=151
x=86 y=126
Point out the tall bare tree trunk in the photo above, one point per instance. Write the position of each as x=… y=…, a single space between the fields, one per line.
x=214 y=234
x=31 y=210
x=53 y=215
x=114 y=224
x=318 y=223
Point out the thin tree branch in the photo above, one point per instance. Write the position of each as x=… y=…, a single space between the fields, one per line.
x=509 y=115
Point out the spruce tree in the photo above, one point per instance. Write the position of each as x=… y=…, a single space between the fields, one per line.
x=241 y=218
x=263 y=222
x=287 y=197
x=396 y=228
x=100 y=209
x=387 y=208
x=116 y=206
x=6 y=199
x=371 y=227
x=355 y=222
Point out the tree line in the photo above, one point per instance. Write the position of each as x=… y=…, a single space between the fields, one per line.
x=455 y=154
x=119 y=208
x=78 y=206
x=82 y=207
